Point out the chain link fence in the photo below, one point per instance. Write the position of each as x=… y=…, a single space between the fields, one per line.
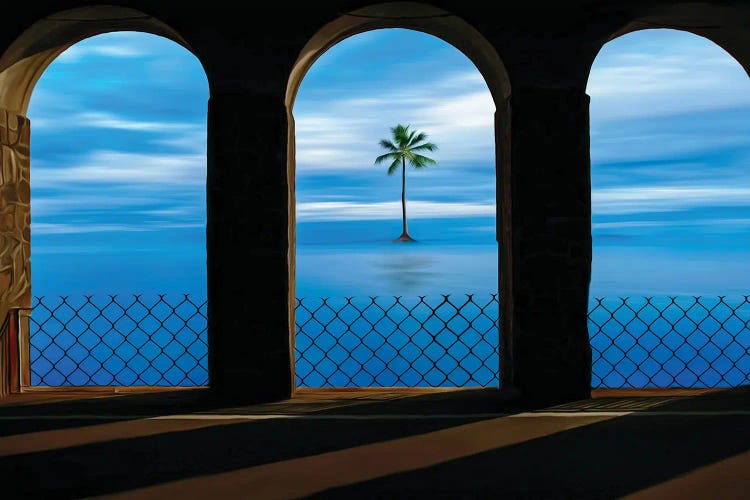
x=687 y=342
x=113 y=340
x=437 y=341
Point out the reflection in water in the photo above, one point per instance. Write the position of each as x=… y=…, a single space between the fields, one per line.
x=398 y=269
x=408 y=272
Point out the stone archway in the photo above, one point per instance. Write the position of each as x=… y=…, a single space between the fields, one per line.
x=21 y=66
x=651 y=364
x=464 y=37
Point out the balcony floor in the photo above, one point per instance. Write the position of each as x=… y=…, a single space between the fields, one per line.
x=374 y=443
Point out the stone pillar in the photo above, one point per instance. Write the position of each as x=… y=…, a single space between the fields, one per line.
x=504 y=236
x=15 y=224
x=248 y=247
x=548 y=193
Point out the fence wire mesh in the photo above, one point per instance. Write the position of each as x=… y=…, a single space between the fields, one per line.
x=686 y=342
x=115 y=340
x=439 y=341
x=396 y=341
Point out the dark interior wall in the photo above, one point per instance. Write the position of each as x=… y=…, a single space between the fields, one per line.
x=547 y=49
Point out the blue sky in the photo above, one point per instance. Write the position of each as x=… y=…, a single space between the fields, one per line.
x=670 y=155
x=118 y=168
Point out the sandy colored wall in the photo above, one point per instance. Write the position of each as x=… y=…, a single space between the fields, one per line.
x=15 y=222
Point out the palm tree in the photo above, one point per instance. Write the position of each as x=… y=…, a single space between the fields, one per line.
x=405 y=146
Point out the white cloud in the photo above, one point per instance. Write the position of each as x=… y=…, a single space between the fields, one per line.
x=329 y=142
x=464 y=125
x=107 y=120
x=462 y=80
x=190 y=140
x=77 y=52
x=457 y=113
x=483 y=229
x=115 y=167
x=674 y=73
x=474 y=110
x=347 y=210
x=61 y=228
x=111 y=121
x=54 y=228
x=657 y=145
x=73 y=202
x=671 y=223
x=635 y=199
x=173 y=211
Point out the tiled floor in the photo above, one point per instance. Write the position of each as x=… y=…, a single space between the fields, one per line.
x=377 y=444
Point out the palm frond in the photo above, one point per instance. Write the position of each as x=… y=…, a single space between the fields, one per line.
x=416 y=139
x=385 y=144
x=401 y=135
x=410 y=138
x=427 y=146
x=392 y=168
x=404 y=148
x=380 y=159
x=420 y=161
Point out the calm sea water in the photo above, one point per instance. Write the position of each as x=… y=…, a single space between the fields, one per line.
x=390 y=269
x=372 y=340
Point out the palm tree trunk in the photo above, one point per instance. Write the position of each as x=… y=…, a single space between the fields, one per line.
x=405 y=233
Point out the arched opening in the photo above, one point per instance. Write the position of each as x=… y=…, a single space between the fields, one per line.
x=352 y=350
x=101 y=145
x=669 y=148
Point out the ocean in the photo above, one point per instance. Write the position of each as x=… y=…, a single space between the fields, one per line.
x=373 y=312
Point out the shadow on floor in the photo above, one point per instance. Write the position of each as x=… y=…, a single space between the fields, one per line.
x=461 y=444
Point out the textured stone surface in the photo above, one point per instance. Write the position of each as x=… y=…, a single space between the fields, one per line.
x=550 y=243
x=5 y=359
x=15 y=223
x=15 y=226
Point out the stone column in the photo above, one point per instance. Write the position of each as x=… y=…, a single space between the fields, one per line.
x=248 y=247
x=547 y=277
x=504 y=236
x=15 y=224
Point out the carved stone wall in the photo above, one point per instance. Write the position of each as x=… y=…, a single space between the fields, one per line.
x=5 y=358
x=15 y=218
